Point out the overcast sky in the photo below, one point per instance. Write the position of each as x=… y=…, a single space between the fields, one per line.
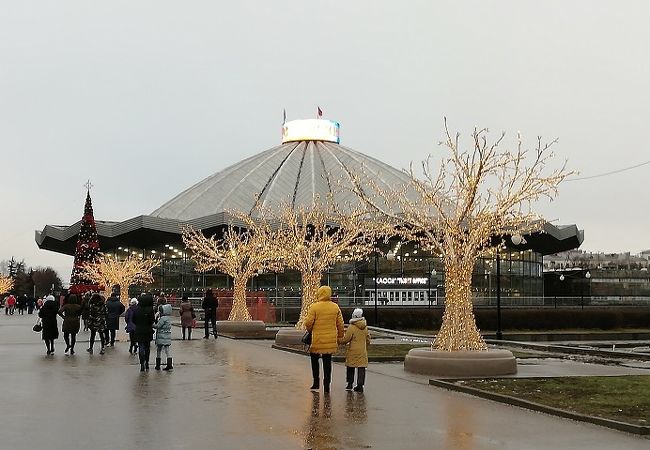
x=147 y=98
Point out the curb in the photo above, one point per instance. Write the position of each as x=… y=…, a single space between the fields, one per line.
x=572 y=350
x=340 y=358
x=641 y=430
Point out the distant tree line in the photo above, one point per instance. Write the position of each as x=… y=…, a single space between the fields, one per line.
x=38 y=281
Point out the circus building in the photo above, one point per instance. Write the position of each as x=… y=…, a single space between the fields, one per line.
x=309 y=163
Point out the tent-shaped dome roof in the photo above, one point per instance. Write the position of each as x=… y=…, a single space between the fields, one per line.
x=294 y=173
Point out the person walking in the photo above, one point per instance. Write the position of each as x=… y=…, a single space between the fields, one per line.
x=210 y=305
x=357 y=355
x=30 y=304
x=22 y=304
x=85 y=309
x=164 y=336
x=161 y=300
x=143 y=318
x=50 y=330
x=187 y=317
x=11 y=303
x=96 y=321
x=130 y=326
x=70 y=312
x=325 y=321
x=114 y=309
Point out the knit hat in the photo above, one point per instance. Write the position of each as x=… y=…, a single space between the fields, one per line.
x=324 y=293
x=357 y=313
x=133 y=302
x=49 y=298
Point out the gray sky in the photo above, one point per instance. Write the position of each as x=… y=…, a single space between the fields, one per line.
x=147 y=98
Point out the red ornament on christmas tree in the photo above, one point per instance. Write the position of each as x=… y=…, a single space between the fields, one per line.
x=86 y=250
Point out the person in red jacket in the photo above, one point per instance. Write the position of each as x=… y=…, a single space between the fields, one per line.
x=11 y=303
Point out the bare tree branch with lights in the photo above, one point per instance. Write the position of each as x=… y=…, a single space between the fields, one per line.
x=6 y=284
x=462 y=210
x=242 y=252
x=314 y=238
x=109 y=271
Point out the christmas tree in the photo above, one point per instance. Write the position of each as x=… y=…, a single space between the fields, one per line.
x=86 y=250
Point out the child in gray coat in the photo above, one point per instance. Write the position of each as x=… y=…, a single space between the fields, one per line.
x=164 y=336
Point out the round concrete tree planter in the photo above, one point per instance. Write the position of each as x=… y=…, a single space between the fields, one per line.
x=289 y=336
x=461 y=364
x=240 y=326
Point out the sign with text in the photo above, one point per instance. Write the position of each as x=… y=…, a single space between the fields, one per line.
x=401 y=280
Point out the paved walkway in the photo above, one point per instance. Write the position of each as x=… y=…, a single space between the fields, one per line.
x=242 y=395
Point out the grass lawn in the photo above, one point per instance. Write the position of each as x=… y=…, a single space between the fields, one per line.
x=624 y=398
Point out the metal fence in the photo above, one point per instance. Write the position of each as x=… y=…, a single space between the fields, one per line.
x=289 y=307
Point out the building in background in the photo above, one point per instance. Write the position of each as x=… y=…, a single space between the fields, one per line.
x=310 y=162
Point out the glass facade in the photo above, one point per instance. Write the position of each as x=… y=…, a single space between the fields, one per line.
x=407 y=278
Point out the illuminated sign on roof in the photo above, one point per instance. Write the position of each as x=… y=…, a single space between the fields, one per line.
x=311 y=130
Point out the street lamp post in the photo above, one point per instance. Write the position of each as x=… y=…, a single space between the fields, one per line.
x=432 y=274
x=376 y=294
x=588 y=278
x=354 y=287
x=499 y=333
x=582 y=289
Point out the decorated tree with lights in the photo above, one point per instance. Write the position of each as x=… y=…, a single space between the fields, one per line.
x=242 y=252
x=314 y=238
x=86 y=250
x=6 y=284
x=109 y=271
x=462 y=210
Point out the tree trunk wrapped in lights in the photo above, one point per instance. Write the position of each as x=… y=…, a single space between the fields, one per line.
x=6 y=284
x=240 y=253
x=108 y=271
x=462 y=210
x=315 y=238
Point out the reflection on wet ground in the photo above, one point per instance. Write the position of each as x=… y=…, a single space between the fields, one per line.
x=244 y=395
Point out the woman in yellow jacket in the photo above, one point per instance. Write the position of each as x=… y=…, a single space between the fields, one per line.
x=357 y=356
x=325 y=321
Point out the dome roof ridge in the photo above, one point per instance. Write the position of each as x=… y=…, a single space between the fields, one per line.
x=295 y=172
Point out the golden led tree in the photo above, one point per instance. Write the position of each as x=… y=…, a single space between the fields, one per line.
x=314 y=238
x=109 y=271
x=241 y=253
x=463 y=209
x=6 y=283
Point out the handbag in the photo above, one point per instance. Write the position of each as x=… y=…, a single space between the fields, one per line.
x=306 y=338
x=37 y=327
x=194 y=323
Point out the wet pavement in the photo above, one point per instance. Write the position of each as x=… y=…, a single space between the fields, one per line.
x=229 y=394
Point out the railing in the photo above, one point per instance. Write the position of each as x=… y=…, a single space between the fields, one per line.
x=286 y=309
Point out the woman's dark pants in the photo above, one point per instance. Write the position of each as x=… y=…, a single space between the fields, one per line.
x=327 y=367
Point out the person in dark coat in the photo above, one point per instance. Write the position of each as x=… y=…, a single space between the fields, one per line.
x=210 y=305
x=50 y=330
x=114 y=309
x=71 y=312
x=143 y=318
x=85 y=309
x=31 y=302
x=130 y=326
x=96 y=321
x=187 y=317
x=22 y=304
